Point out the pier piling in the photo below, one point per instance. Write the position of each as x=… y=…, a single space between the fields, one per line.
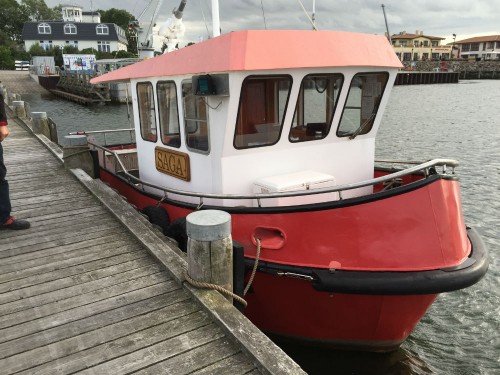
x=210 y=248
x=40 y=123
x=19 y=108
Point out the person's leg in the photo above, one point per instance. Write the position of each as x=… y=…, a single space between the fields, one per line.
x=7 y=221
x=5 y=207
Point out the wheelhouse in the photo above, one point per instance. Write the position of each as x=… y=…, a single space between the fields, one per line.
x=256 y=129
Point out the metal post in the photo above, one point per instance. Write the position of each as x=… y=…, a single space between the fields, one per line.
x=386 y=25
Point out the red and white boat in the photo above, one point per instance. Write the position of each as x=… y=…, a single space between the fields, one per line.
x=278 y=129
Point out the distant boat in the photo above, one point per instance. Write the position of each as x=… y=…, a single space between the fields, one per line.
x=278 y=129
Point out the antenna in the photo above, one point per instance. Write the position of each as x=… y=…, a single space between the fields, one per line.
x=263 y=14
x=386 y=26
x=313 y=18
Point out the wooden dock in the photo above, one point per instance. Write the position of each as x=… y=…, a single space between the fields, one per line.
x=425 y=78
x=80 y=294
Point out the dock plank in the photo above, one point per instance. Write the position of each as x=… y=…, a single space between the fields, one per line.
x=81 y=294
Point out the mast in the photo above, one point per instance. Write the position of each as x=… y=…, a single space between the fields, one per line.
x=386 y=25
x=215 y=18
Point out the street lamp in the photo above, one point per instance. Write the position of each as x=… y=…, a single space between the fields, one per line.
x=453 y=46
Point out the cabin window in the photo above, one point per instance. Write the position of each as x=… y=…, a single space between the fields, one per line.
x=263 y=103
x=195 y=119
x=315 y=107
x=168 y=113
x=147 y=118
x=362 y=104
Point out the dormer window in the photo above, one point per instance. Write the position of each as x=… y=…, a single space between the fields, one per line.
x=102 y=29
x=44 y=28
x=69 y=28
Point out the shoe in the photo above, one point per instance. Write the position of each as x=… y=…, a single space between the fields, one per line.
x=16 y=224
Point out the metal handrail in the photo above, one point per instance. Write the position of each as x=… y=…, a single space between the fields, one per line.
x=425 y=167
x=131 y=132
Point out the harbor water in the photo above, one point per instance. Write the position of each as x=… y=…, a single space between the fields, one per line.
x=460 y=334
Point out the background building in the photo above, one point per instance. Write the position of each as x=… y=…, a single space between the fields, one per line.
x=480 y=48
x=415 y=47
x=79 y=29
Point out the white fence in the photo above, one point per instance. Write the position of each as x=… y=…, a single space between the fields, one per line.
x=22 y=65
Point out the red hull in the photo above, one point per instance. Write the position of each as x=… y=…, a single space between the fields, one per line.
x=293 y=309
x=421 y=229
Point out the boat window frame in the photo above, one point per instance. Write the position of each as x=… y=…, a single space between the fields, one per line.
x=176 y=106
x=139 y=111
x=328 y=124
x=197 y=120
x=285 y=109
x=375 y=113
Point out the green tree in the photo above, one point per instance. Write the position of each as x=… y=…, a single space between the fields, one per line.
x=122 y=18
x=70 y=50
x=37 y=50
x=12 y=18
x=124 y=54
x=6 y=58
x=37 y=10
x=119 y=16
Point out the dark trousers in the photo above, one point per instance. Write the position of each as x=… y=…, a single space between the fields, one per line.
x=5 y=207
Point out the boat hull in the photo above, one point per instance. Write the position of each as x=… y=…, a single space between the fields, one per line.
x=358 y=273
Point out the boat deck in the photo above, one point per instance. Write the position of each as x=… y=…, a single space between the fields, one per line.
x=80 y=294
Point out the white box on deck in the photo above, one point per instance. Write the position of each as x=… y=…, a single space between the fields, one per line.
x=297 y=181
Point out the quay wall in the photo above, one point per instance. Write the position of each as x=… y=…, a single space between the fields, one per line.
x=467 y=69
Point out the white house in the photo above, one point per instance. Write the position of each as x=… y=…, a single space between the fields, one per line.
x=78 y=28
x=481 y=47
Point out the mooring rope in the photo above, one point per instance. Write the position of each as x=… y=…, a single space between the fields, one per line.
x=254 y=270
x=216 y=287
x=221 y=289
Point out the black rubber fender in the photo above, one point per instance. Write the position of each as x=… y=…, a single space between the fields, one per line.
x=177 y=231
x=157 y=215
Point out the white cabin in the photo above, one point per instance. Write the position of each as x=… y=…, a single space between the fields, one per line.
x=261 y=111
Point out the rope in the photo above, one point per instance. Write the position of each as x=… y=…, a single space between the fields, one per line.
x=254 y=270
x=221 y=289
x=218 y=288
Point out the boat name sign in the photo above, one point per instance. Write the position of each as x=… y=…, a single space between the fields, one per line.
x=173 y=163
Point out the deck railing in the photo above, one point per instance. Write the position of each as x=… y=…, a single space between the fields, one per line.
x=426 y=168
x=131 y=132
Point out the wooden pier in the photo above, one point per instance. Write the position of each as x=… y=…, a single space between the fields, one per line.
x=424 y=78
x=93 y=288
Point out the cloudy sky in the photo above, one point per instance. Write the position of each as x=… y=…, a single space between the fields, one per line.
x=434 y=17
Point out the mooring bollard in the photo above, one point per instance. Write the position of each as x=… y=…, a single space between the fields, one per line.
x=40 y=123
x=210 y=248
x=77 y=154
x=19 y=108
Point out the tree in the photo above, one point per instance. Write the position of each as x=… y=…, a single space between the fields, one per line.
x=119 y=16
x=37 y=50
x=12 y=18
x=122 y=18
x=6 y=59
x=124 y=54
x=37 y=10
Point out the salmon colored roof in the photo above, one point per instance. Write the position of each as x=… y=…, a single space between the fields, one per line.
x=479 y=39
x=263 y=50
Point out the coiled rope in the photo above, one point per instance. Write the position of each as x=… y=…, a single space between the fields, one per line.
x=223 y=290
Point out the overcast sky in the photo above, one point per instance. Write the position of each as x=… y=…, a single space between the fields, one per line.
x=442 y=18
